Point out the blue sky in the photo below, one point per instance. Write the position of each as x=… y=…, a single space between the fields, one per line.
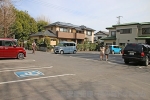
x=96 y=14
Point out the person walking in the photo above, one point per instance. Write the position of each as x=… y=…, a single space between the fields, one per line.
x=107 y=51
x=33 y=47
x=102 y=52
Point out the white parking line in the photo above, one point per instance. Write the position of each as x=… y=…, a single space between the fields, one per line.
x=87 y=59
x=16 y=60
x=35 y=78
x=26 y=69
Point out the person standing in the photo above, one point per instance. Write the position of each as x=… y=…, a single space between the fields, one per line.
x=102 y=51
x=107 y=51
x=33 y=47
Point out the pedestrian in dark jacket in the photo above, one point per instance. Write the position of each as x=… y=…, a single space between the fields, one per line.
x=107 y=51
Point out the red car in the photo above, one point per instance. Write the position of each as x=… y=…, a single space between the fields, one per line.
x=10 y=49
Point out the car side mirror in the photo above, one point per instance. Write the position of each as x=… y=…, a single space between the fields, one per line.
x=14 y=46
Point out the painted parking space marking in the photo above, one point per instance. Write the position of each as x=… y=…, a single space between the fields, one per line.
x=29 y=73
x=25 y=69
x=16 y=60
x=16 y=81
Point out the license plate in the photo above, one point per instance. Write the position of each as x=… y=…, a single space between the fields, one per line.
x=131 y=53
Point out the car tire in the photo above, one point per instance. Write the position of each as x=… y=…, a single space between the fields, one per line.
x=126 y=61
x=146 y=62
x=74 y=52
x=20 y=56
x=61 y=52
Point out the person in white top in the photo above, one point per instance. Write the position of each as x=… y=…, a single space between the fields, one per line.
x=102 y=52
x=33 y=47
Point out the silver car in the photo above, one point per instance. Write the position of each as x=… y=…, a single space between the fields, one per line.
x=65 y=47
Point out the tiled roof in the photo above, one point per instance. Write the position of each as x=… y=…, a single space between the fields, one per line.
x=45 y=33
x=126 y=24
x=70 y=25
x=102 y=33
x=110 y=28
x=142 y=37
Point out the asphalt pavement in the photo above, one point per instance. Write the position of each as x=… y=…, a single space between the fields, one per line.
x=81 y=76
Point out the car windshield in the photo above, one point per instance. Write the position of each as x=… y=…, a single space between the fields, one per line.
x=116 y=46
x=133 y=47
x=60 y=44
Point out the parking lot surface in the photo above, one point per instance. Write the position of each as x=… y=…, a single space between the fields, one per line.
x=81 y=76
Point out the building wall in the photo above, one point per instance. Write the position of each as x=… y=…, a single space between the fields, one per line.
x=110 y=31
x=140 y=30
x=100 y=35
x=108 y=41
x=90 y=38
x=73 y=31
x=127 y=37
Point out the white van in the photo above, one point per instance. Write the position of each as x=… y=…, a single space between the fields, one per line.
x=65 y=47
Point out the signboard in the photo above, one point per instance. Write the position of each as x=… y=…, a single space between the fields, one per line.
x=28 y=73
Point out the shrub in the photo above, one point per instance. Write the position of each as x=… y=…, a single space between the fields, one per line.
x=92 y=46
x=47 y=41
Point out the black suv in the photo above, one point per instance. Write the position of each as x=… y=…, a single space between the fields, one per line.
x=135 y=52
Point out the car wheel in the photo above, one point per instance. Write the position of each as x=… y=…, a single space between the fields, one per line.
x=74 y=52
x=61 y=52
x=113 y=52
x=20 y=56
x=126 y=61
x=146 y=62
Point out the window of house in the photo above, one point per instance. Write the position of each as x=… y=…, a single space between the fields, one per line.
x=145 y=30
x=99 y=37
x=79 y=32
x=125 y=31
x=113 y=33
x=51 y=28
x=64 y=29
x=89 y=33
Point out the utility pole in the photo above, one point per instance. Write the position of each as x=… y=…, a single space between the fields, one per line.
x=119 y=19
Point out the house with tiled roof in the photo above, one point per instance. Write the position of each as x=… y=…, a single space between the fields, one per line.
x=128 y=33
x=70 y=32
x=41 y=35
x=99 y=35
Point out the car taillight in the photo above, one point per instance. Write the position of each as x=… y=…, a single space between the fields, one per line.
x=142 y=54
x=122 y=52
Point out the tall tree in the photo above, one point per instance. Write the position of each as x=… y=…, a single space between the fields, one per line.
x=41 y=24
x=24 y=25
x=7 y=17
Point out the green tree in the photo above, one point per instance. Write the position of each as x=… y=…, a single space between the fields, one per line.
x=24 y=25
x=47 y=41
x=41 y=24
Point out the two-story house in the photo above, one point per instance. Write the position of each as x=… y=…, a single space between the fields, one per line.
x=99 y=35
x=70 y=32
x=128 y=33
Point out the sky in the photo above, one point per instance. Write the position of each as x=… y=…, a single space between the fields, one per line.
x=95 y=14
